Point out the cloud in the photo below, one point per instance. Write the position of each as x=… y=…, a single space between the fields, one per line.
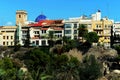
x=9 y=23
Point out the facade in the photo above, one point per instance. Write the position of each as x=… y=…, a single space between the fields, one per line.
x=103 y=29
x=72 y=24
x=116 y=28
x=21 y=17
x=7 y=35
x=71 y=28
x=38 y=30
x=102 y=26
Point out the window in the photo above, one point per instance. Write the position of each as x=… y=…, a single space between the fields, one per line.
x=43 y=42
x=75 y=37
x=19 y=16
x=7 y=43
x=33 y=42
x=37 y=32
x=11 y=43
x=58 y=31
x=67 y=31
x=11 y=37
x=100 y=32
x=105 y=38
x=43 y=31
x=7 y=37
x=96 y=26
x=99 y=26
x=69 y=37
x=3 y=37
x=75 y=25
x=67 y=25
x=75 y=31
x=37 y=42
x=3 y=43
x=105 y=26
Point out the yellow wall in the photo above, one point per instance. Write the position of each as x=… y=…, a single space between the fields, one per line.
x=103 y=29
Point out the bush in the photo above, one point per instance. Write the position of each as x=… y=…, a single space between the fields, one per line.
x=17 y=47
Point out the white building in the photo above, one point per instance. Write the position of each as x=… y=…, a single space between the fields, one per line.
x=116 y=28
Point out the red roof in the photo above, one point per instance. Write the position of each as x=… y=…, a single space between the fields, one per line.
x=35 y=38
x=57 y=28
x=46 y=23
x=43 y=23
x=44 y=28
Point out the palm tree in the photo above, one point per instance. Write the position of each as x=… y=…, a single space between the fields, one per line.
x=51 y=35
x=82 y=31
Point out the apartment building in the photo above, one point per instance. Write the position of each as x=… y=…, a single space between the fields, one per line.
x=39 y=29
x=103 y=29
x=72 y=24
x=116 y=28
x=7 y=35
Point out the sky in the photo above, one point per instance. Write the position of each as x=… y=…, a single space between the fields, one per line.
x=57 y=9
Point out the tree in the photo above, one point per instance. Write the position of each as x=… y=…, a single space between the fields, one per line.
x=64 y=68
x=90 y=69
x=92 y=37
x=51 y=35
x=65 y=40
x=27 y=41
x=82 y=31
x=10 y=71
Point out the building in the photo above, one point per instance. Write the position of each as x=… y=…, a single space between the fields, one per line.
x=103 y=29
x=21 y=17
x=38 y=31
x=116 y=34
x=116 y=28
x=102 y=26
x=7 y=35
x=72 y=24
x=71 y=28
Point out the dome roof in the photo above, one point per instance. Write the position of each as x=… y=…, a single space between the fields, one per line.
x=40 y=17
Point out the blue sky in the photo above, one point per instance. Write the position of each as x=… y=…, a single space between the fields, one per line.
x=57 y=9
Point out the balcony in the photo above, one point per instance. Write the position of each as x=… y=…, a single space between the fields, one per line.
x=98 y=29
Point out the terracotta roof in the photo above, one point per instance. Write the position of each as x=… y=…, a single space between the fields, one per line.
x=44 y=28
x=47 y=23
x=35 y=38
x=57 y=28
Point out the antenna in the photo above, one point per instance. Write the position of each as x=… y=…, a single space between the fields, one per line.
x=107 y=9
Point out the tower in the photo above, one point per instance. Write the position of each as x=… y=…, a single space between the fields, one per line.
x=98 y=15
x=21 y=17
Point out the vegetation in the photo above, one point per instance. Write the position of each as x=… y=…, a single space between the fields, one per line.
x=52 y=66
x=82 y=31
x=92 y=37
x=57 y=62
x=51 y=35
x=27 y=41
x=11 y=71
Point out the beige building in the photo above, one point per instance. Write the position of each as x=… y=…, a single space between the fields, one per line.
x=21 y=17
x=103 y=29
x=7 y=35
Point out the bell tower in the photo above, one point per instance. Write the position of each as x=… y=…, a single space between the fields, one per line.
x=21 y=17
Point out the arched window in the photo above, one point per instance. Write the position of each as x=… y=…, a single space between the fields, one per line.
x=19 y=16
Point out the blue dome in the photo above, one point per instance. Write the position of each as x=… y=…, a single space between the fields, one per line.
x=40 y=17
